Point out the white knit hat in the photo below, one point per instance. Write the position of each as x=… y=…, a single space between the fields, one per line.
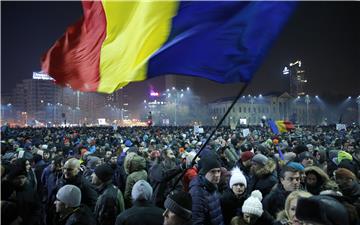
x=237 y=177
x=252 y=205
x=70 y=195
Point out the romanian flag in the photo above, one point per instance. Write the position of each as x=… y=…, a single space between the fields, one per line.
x=280 y=126
x=117 y=42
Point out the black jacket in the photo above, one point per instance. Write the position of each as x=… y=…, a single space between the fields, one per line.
x=231 y=205
x=274 y=202
x=80 y=216
x=141 y=212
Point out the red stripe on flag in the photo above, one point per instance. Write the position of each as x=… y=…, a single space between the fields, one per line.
x=74 y=59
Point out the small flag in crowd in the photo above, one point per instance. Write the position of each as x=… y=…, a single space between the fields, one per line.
x=117 y=42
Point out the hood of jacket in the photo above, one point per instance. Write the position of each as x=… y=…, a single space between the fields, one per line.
x=267 y=169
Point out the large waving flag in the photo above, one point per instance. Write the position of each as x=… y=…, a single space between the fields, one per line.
x=117 y=42
x=280 y=126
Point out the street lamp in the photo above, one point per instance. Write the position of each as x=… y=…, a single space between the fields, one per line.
x=307 y=101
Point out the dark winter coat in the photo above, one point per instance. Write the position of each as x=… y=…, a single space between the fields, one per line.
x=206 y=208
x=143 y=213
x=162 y=179
x=109 y=204
x=80 y=216
x=264 y=219
x=264 y=179
x=274 y=202
x=28 y=204
x=231 y=205
x=88 y=193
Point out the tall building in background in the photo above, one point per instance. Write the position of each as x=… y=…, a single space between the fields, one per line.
x=297 y=80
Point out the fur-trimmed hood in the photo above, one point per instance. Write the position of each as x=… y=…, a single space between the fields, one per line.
x=319 y=171
x=267 y=169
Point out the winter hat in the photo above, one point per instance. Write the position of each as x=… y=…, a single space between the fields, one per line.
x=300 y=148
x=128 y=143
x=289 y=156
x=104 y=172
x=296 y=166
x=237 y=177
x=304 y=155
x=141 y=191
x=343 y=155
x=70 y=195
x=260 y=159
x=323 y=210
x=252 y=205
x=179 y=203
x=344 y=173
x=245 y=156
x=208 y=162
x=92 y=161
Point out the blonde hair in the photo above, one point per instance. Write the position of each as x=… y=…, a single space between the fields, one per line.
x=295 y=195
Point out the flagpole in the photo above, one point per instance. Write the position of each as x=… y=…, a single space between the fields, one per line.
x=242 y=90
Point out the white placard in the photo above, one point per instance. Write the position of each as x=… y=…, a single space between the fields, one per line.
x=340 y=126
x=246 y=132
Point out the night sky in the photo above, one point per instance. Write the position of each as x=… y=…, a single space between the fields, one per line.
x=324 y=35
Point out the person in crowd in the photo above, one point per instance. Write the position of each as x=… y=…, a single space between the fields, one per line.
x=306 y=159
x=23 y=194
x=321 y=210
x=164 y=175
x=178 y=209
x=72 y=175
x=263 y=174
x=91 y=163
x=206 y=206
x=135 y=169
x=252 y=212
x=233 y=199
x=349 y=186
x=316 y=180
x=143 y=211
x=192 y=170
x=69 y=209
x=287 y=216
x=244 y=163
x=110 y=201
x=289 y=181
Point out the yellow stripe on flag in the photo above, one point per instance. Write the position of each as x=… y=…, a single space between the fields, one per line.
x=281 y=126
x=135 y=31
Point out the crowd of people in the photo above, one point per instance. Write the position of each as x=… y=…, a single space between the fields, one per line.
x=166 y=175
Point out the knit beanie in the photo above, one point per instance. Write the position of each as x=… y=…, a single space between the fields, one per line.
x=70 y=195
x=237 y=177
x=344 y=173
x=208 y=162
x=141 y=191
x=245 y=156
x=104 y=172
x=260 y=159
x=252 y=205
x=343 y=155
x=304 y=155
x=179 y=203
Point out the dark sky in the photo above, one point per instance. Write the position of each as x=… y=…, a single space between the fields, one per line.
x=324 y=35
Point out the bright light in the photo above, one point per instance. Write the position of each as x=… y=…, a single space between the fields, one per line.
x=298 y=97
x=243 y=96
x=286 y=71
x=182 y=90
x=349 y=97
x=144 y=101
x=42 y=101
x=156 y=94
x=41 y=76
x=168 y=90
x=260 y=95
x=9 y=104
x=249 y=95
x=173 y=88
x=181 y=95
x=316 y=96
x=188 y=89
